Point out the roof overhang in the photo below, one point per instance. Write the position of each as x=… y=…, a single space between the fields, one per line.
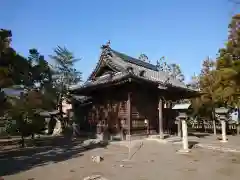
x=124 y=78
x=121 y=78
x=181 y=106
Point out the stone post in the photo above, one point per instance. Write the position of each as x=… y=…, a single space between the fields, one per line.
x=214 y=127
x=224 y=136
x=238 y=128
x=160 y=118
x=214 y=123
x=179 y=128
x=185 y=136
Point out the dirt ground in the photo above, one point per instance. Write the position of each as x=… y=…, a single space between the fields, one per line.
x=150 y=162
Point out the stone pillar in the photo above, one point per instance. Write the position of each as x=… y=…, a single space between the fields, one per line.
x=214 y=123
x=224 y=136
x=160 y=118
x=214 y=127
x=179 y=128
x=185 y=136
x=238 y=128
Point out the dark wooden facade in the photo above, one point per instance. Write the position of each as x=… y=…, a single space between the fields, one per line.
x=127 y=97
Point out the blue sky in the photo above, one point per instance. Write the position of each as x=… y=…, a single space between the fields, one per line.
x=184 y=31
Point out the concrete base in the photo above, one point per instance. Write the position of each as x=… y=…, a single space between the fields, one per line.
x=223 y=141
x=100 y=136
x=163 y=141
x=127 y=160
x=183 y=151
x=128 y=137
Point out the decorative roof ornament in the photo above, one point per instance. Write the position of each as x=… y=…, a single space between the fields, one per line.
x=167 y=81
x=107 y=45
x=130 y=69
x=142 y=73
x=106 y=50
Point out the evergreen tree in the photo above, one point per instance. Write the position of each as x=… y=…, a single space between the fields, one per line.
x=65 y=74
x=173 y=69
x=228 y=65
x=143 y=57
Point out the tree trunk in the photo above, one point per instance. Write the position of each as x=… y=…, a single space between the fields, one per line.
x=33 y=139
x=22 y=141
x=61 y=111
x=58 y=128
x=32 y=136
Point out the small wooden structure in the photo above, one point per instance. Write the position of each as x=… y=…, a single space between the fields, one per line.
x=125 y=95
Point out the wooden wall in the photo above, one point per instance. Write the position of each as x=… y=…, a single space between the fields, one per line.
x=110 y=108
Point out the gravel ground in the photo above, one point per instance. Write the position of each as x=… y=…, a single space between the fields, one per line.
x=152 y=161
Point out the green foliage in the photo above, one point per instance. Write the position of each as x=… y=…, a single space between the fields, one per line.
x=162 y=65
x=44 y=85
x=195 y=82
x=173 y=69
x=220 y=79
x=5 y=39
x=25 y=110
x=228 y=66
x=143 y=57
x=13 y=67
x=35 y=75
x=65 y=74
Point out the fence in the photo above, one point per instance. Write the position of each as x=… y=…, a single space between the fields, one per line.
x=207 y=125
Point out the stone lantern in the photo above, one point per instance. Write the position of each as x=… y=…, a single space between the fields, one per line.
x=182 y=117
x=102 y=130
x=146 y=125
x=123 y=129
x=221 y=114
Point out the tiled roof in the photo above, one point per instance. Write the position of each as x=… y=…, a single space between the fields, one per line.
x=151 y=71
x=140 y=69
x=104 y=79
x=135 y=61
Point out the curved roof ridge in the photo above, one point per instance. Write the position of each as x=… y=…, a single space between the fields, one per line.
x=133 y=60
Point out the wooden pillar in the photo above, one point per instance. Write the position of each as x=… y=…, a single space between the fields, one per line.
x=160 y=117
x=129 y=114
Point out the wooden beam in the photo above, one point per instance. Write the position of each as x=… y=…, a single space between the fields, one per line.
x=160 y=117
x=129 y=113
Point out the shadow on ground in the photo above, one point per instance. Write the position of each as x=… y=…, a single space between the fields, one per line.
x=199 y=134
x=52 y=150
x=191 y=144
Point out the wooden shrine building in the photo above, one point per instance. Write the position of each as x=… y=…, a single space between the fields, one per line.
x=128 y=95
